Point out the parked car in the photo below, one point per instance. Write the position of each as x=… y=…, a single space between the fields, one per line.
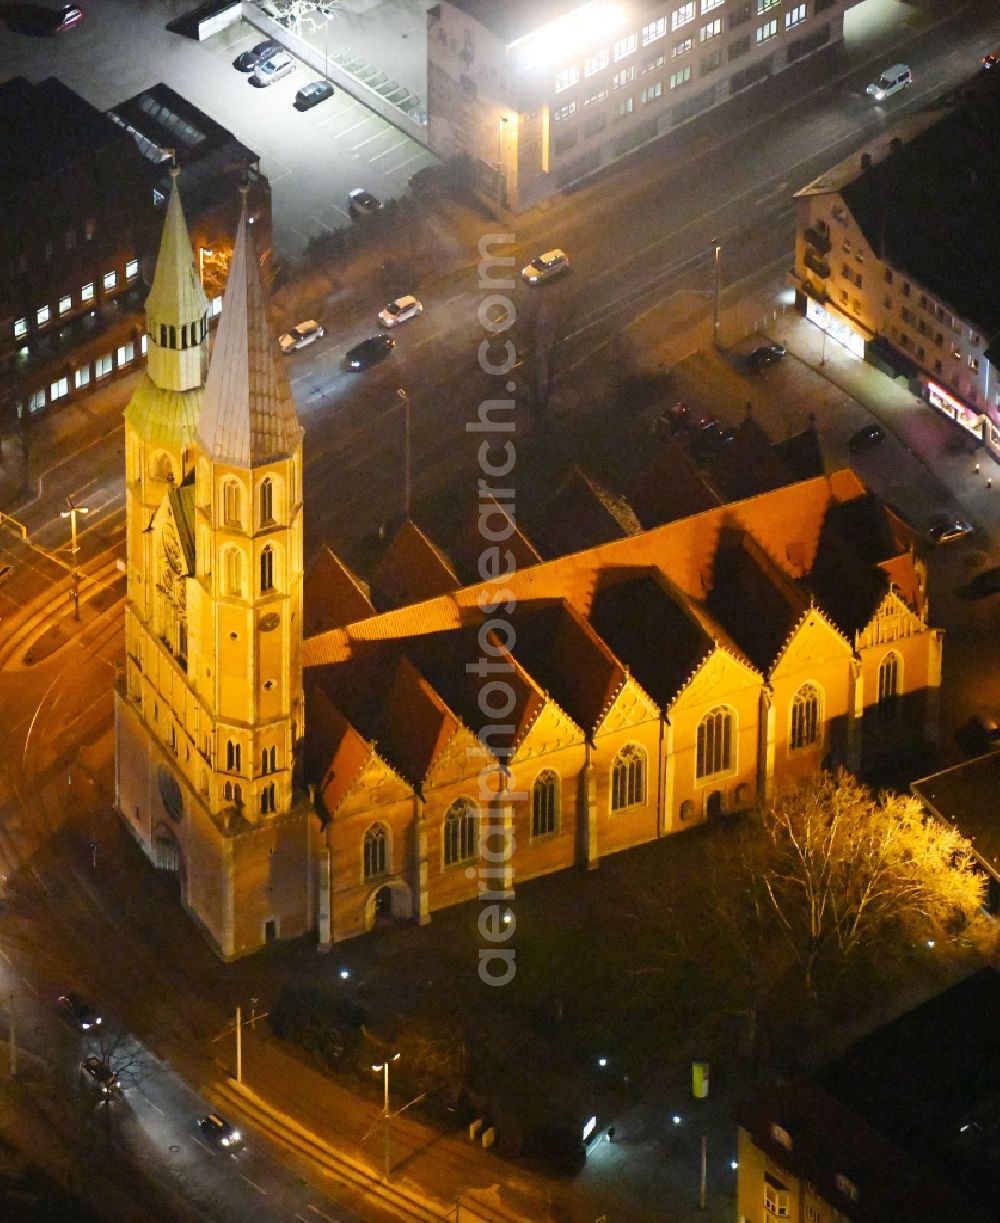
x=312 y=94
x=101 y=1075
x=710 y=439
x=42 y=21
x=400 y=310
x=218 y=1131
x=81 y=1014
x=545 y=267
x=272 y=69
x=369 y=352
x=864 y=439
x=947 y=529
x=246 y=61
x=5 y=571
x=991 y=60
x=765 y=355
x=300 y=336
x=891 y=81
x=361 y=203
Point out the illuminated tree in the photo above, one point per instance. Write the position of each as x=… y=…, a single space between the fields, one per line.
x=847 y=874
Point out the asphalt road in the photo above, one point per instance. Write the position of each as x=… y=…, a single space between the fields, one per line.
x=640 y=244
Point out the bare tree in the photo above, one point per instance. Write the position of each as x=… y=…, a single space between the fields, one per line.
x=848 y=873
x=541 y=334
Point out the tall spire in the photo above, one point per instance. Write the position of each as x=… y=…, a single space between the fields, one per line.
x=176 y=308
x=248 y=417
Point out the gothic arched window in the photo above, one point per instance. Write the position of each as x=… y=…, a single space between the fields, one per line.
x=715 y=743
x=267 y=568
x=628 y=777
x=266 y=501
x=232 y=515
x=233 y=569
x=888 y=686
x=233 y=756
x=544 y=803
x=805 y=717
x=460 y=832
x=375 y=851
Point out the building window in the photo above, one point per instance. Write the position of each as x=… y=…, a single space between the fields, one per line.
x=708 y=5
x=805 y=717
x=682 y=47
x=710 y=30
x=20 y=328
x=625 y=107
x=764 y=5
x=715 y=743
x=795 y=16
x=36 y=401
x=544 y=797
x=776 y=1197
x=596 y=97
x=564 y=112
x=628 y=777
x=625 y=46
x=231 y=504
x=680 y=78
x=460 y=832
x=87 y=292
x=681 y=16
x=621 y=79
x=888 y=687
x=888 y=276
x=266 y=501
x=81 y=376
x=651 y=92
x=597 y=61
x=233 y=569
x=375 y=851
x=768 y=30
x=566 y=78
x=103 y=365
x=65 y=304
x=126 y=354
x=974 y=364
x=59 y=389
x=653 y=64
x=234 y=756
x=656 y=29
x=268 y=760
x=267 y=800
x=42 y=315
x=906 y=288
x=267 y=569
x=710 y=62
x=109 y=280
x=132 y=269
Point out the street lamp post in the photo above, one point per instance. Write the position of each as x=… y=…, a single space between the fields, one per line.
x=71 y=513
x=202 y=252
x=406 y=450
x=716 y=327
x=384 y=1068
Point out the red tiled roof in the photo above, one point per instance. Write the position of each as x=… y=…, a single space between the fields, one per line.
x=332 y=595
x=412 y=569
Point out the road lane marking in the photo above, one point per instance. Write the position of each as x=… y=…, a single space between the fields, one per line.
x=316 y=1210
x=6 y=957
x=385 y=131
x=202 y=1145
x=391 y=149
x=140 y=1092
x=415 y=157
x=354 y=126
x=258 y=1188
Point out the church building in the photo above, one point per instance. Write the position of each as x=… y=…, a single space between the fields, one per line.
x=463 y=735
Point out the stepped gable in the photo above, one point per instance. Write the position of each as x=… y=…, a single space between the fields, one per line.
x=333 y=595
x=757 y=603
x=412 y=568
x=248 y=418
x=567 y=659
x=487 y=528
x=649 y=625
x=582 y=515
x=671 y=486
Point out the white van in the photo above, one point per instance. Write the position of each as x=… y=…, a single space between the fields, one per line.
x=891 y=81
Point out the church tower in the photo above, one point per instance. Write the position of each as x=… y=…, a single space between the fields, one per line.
x=209 y=716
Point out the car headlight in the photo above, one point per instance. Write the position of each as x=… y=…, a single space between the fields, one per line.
x=98 y=1019
x=225 y=1142
x=85 y=1024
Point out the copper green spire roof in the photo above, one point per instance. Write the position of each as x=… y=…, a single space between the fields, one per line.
x=176 y=296
x=248 y=417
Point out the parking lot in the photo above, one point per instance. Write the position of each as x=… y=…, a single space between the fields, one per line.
x=312 y=159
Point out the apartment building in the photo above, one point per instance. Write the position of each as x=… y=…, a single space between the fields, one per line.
x=94 y=186
x=895 y=250
x=543 y=94
x=900 y=1127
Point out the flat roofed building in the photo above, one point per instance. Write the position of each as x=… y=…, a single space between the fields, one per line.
x=896 y=250
x=543 y=94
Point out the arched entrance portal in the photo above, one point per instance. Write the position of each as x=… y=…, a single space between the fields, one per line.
x=167 y=856
x=389 y=901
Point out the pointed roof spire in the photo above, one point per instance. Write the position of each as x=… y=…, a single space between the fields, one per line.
x=248 y=417
x=176 y=296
